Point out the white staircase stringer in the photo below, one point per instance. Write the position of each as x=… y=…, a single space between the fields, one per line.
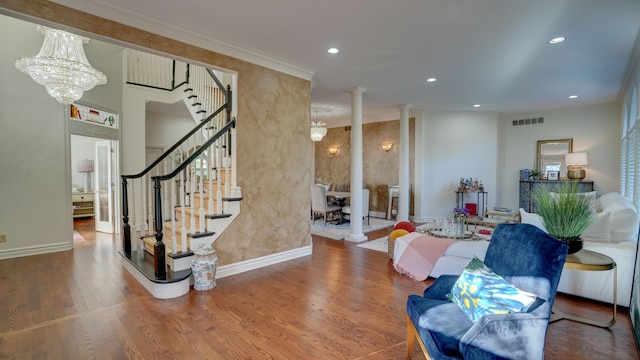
x=219 y=225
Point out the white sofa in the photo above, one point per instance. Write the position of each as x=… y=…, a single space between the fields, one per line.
x=614 y=233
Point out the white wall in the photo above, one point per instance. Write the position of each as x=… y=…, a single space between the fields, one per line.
x=35 y=167
x=164 y=130
x=595 y=129
x=459 y=145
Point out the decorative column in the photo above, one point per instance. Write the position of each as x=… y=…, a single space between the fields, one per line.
x=420 y=166
x=356 y=233
x=403 y=208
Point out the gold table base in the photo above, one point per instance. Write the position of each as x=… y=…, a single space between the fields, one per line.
x=586 y=260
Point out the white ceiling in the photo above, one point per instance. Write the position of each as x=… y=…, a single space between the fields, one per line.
x=488 y=52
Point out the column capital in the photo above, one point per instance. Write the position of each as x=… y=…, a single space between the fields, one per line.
x=357 y=90
x=404 y=106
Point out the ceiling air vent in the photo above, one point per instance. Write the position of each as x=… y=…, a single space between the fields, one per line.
x=532 y=121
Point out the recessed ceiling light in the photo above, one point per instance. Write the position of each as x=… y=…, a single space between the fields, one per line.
x=430 y=80
x=333 y=50
x=476 y=105
x=557 y=40
x=573 y=96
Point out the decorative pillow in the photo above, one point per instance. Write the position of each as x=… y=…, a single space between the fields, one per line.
x=611 y=198
x=599 y=207
x=398 y=233
x=623 y=222
x=533 y=219
x=405 y=225
x=599 y=229
x=479 y=291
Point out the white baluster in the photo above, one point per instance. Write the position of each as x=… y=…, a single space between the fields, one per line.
x=192 y=222
x=174 y=246
x=183 y=229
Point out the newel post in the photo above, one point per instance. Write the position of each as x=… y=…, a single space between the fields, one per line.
x=126 y=228
x=159 y=252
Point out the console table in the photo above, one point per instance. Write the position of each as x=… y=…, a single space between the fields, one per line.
x=528 y=187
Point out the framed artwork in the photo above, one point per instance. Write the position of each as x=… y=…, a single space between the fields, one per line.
x=553 y=175
x=394 y=207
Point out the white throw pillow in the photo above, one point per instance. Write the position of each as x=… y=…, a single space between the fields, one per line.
x=611 y=198
x=624 y=222
x=599 y=230
x=533 y=219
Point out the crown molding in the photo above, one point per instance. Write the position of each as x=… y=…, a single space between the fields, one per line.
x=126 y=16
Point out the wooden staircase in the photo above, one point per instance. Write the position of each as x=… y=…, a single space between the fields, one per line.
x=183 y=216
x=173 y=209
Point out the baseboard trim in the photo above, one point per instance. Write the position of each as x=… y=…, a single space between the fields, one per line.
x=252 y=264
x=158 y=290
x=36 y=250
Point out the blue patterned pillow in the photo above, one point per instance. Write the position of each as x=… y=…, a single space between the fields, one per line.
x=479 y=291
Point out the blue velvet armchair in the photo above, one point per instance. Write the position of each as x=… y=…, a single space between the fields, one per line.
x=523 y=255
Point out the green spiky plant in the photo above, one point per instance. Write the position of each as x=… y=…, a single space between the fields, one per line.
x=566 y=215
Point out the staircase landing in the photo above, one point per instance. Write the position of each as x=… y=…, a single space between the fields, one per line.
x=141 y=267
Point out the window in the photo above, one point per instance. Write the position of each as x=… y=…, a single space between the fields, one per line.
x=630 y=152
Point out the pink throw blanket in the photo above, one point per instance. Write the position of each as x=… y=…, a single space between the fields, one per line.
x=415 y=254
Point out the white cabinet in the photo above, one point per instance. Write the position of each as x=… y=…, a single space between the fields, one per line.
x=82 y=204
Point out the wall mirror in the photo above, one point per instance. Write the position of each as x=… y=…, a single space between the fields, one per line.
x=551 y=156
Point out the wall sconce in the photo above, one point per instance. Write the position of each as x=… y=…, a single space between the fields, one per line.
x=333 y=150
x=574 y=162
x=387 y=147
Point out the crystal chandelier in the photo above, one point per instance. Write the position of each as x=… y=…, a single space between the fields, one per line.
x=318 y=128
x=61 y=66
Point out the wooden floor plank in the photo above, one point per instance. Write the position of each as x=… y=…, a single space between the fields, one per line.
x=342 y=302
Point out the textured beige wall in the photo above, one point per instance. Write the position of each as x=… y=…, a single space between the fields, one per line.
x=273 y=145
x=380 y=168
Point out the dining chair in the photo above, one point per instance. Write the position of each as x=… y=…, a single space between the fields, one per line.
x=346 y=210
x=320 y=206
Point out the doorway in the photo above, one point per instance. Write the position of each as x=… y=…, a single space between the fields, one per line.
x=94 y=174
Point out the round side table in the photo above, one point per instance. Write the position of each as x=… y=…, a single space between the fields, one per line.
x=587 y=260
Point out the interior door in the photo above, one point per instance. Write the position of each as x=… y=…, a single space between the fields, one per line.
x=104 y=188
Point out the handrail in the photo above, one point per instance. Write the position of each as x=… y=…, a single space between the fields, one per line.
x=231 y=124
x=179 y=142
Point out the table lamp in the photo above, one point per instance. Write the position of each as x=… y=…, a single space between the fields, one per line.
x=575 y=162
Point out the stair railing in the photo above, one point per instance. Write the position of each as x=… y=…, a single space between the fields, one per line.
x=159 y=246
x=188 y=161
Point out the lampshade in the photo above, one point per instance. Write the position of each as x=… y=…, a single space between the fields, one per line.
x=579 y=158
x=61 y=66
x=85 y=165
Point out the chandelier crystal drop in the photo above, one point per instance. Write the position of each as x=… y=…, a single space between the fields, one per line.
x=61 y=66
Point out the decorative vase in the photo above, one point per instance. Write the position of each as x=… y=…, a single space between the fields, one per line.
x=575 y=245
x=203 y=266
x=458 y=231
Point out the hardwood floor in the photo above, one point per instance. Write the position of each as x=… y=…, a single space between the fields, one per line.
x=342 y=302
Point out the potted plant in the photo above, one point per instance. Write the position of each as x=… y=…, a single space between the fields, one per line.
x=566 y=213
x=535 y=174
